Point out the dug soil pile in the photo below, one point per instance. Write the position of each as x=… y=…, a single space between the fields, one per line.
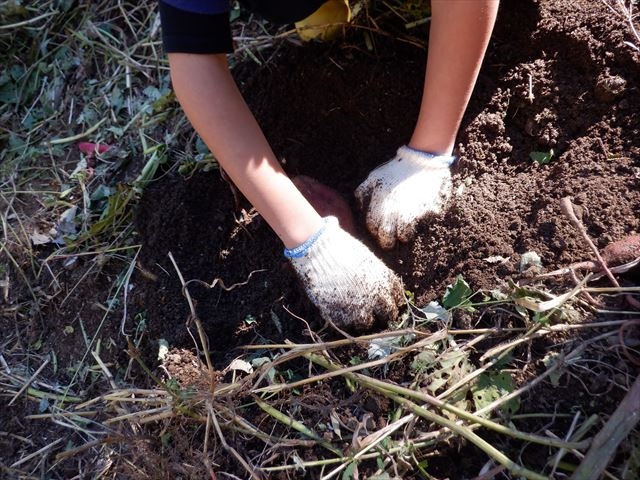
x=557 y=78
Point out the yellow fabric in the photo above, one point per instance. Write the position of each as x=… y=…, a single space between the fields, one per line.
x=325 y=23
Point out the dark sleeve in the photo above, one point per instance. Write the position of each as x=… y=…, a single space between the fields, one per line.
x=188 y=32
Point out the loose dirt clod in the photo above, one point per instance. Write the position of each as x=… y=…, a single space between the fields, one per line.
x=609 y=87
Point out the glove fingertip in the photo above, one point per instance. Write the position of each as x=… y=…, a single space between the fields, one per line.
x=386 y=311
x=386 y=235
x=397 y=290
x=406 y=232
x=363 y=195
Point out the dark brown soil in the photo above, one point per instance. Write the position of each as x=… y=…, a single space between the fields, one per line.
x=335 y=112
x=557 y=76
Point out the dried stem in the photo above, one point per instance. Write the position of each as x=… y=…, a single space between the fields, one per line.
x=567 y=208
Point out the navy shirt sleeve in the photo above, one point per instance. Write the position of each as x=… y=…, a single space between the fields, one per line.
x=185 y=31
x=200 y=6
x=202 y=26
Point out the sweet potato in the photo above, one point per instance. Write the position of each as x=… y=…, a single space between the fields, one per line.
x=326 y=201
x=623 y=251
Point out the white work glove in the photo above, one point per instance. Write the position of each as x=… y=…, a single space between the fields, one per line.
x=345 y=280
x=402 y=191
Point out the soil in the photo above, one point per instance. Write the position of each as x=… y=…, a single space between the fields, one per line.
x=335 y=112
x=557 y=77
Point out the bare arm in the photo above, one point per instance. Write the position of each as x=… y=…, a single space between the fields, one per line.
x=416 y=183
x=215 y=107
x=459 y=35
x=342 y=277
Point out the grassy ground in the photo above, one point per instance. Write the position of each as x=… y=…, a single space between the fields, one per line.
x=87 y=120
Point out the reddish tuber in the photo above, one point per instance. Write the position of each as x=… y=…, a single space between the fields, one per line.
x=326 y=201
x=623 y=251
x=90 y=148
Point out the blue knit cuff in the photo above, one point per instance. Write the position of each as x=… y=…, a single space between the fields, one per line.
x=446 y=159
x=301 y=250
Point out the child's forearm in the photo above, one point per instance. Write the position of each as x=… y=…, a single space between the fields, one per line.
x=216 y=109
x=458 y=38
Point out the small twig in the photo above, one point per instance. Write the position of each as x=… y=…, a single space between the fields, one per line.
x=127 y=279
x=250 y=470
x=87 y=446
x=464 y=432
x=370 y=442
x=5 y=365
x=560 y=327
x=219 y=282
x=44 y=449
x=296 y=425
x=107 y=373
x=417 y=23
x=634 y=360
x=397 y=390
x=397 y=355
x=89 y=131
x=29 y=21
x=363 y=340
x=491 y=473
x=580 y=455
x=561 y=452
x=141 y=416
x=29 y=382
x=587 y=295
x=194 y=316
x=556 y=366
x=402 y=446
x=612 y=289
x=567 y=208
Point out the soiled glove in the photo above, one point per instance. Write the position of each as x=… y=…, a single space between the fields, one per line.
x=402 y=191
x=345 y=280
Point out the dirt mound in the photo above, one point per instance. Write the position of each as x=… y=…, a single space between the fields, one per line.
x=557 y=80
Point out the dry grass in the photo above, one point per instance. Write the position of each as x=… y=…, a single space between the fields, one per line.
x=221 y=408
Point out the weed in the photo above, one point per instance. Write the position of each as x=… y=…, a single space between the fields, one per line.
x=458 y=295
x=542 y=158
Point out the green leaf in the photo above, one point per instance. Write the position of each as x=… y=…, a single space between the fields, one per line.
x=101 y=192
x=8 y=91
x=493 y=386
x=434 y=311
x=234 y=14
x=424 y=360
x=549 y=360
x=458 y=295
x=542 y=158
x=348 y=473
x=43 y=405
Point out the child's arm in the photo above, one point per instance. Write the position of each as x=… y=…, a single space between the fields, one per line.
x=211 y=100
x=458 y=38
x=343 y=278
x=414 y=184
